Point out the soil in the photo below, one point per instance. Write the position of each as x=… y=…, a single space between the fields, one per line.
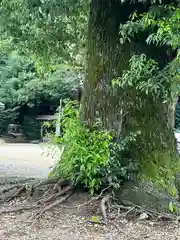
x=68 y=222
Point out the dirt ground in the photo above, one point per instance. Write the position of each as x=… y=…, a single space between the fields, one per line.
x=71 y=223
x=68 y=222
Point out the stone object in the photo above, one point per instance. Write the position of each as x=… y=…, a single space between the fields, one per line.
x=143 y=216
x=147 y=196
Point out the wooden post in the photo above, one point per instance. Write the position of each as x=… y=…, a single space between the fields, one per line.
x=58 y=123
x=41 y=130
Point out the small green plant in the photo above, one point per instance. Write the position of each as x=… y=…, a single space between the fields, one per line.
x=171 y=207
x=90 y=157
x=85 y=153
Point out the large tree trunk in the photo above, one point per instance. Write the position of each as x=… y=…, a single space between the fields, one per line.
x=104 y=59
x=127 y=111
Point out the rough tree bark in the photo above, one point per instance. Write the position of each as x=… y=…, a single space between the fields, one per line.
x=122 y=111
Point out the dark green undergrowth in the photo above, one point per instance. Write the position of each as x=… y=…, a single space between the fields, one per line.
x=94 y=160
x=90 y=155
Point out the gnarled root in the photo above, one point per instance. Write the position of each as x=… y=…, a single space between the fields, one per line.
x=50 y=206
x=47 y=195
x=103 y=203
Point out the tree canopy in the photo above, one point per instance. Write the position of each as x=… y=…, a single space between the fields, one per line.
x=20 y=84
x=25 y=93
x=50 y=30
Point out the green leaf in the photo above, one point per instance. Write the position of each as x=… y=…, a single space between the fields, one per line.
x=95 y=219
x=171 y=207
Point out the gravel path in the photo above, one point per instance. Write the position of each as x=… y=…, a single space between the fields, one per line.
x=24 y=160
x=22 y=169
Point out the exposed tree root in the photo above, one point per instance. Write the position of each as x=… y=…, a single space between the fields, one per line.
x=103 y=207
x=50 y=206
x=44 y=195
x=134 y=210
x=55 y=195
x=16 y=194
x=54 y=204
x=7 y=189
x=18 y=209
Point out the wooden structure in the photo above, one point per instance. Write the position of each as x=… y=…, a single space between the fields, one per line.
x=45 y=118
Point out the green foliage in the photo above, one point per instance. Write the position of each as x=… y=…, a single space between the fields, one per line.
x=31 y=127
x=15 y=73
x=20 y=84
x=90 y=157
x=49 y=31
x=85 y=152
x=145 y=77
x=163 y=22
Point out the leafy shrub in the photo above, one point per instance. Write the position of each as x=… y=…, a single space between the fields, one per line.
x=22 y=86
x=89 y=157
x=31 y=128
x=85 y=152
x=6 y=117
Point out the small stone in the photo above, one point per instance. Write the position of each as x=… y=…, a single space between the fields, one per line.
x=143 y=216
x=151 y=224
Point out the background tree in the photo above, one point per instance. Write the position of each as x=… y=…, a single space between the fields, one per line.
x=27 y=94
x=48 y=31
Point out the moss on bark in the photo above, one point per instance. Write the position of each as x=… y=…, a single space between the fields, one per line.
x=123 y=111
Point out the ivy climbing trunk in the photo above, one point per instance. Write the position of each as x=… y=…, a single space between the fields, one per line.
x=123 y=111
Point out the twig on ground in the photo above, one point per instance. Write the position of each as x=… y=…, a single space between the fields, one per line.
x=18 y=209
x=55 y=195
x=20 y=190
x=94 y=198
x=7 y=189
